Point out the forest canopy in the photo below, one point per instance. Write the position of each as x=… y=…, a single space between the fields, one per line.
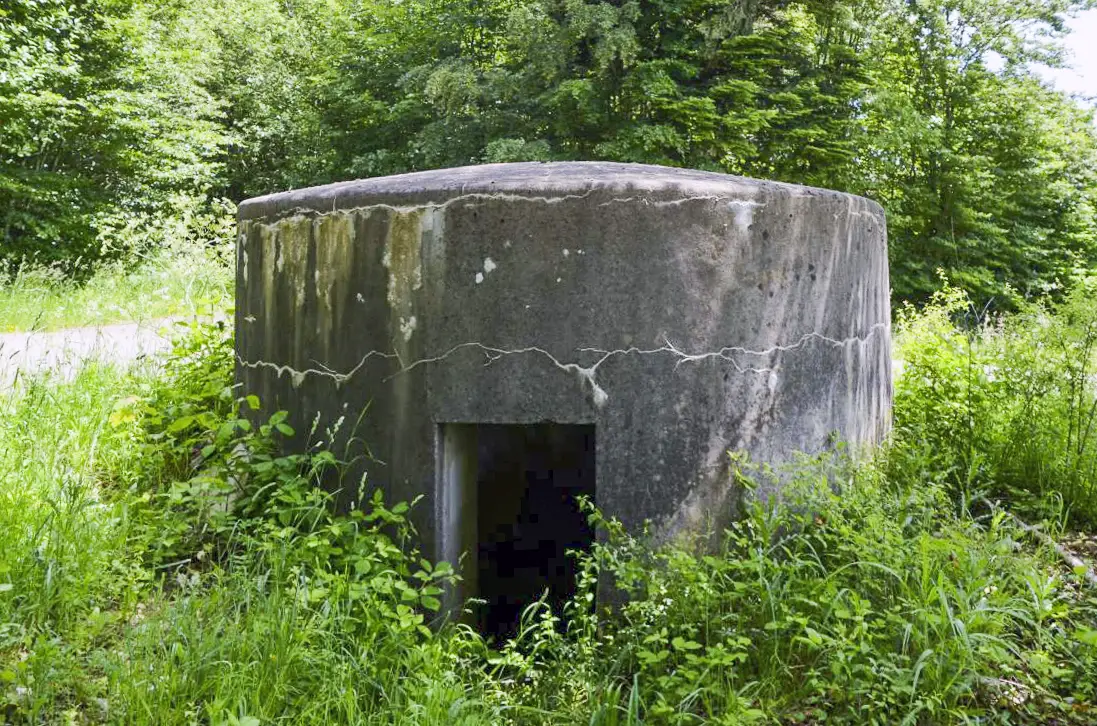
x=123 y=120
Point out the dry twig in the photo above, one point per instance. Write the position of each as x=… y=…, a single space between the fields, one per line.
x=1075 y=562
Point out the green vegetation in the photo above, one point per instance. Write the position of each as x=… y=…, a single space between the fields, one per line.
x=1004 y=405
x=122 y=117
x=109 y=135
x=172 y=283
x=161 y=563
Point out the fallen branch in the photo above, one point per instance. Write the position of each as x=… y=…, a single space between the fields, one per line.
x=1075 y=562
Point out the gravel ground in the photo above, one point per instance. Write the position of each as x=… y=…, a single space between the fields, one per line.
x=63 y=351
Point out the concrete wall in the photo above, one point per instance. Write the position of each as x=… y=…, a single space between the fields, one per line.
x=682 y=313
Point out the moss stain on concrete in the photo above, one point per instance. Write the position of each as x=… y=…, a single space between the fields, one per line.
x=403 y=259
x=334 y=235
x=296 y=233
x=268 y=252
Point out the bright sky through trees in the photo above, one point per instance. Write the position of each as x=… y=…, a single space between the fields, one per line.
x=1081 y=44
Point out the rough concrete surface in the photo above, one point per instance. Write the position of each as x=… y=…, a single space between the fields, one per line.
x=683 y=314
x=64 y=351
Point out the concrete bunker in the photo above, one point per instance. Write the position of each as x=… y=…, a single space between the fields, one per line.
x=657 y=317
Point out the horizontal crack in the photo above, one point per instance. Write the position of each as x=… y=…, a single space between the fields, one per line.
x=298 y=376
x=586 y=374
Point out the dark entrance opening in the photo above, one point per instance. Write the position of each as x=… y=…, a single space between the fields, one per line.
x=527 y=517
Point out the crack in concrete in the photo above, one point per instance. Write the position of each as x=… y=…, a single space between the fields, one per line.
x=297 y=377
x=586 y=374
x=509 y=197
x=432 y=206
x=733 y=202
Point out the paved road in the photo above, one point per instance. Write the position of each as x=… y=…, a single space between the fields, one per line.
x=65 y=350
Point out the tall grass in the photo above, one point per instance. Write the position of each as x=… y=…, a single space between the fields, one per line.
x=162 y=563
x=247 y=644
x=1006 y=406
x=861 y=603
x=178 y=282
x=67 y=573
x=133 y=590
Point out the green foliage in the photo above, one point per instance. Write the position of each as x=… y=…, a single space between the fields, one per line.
x=162 y=562
x=217 y=487
x=189 y=276
x=858 y=602
x=121 y=114
x=246 y=647
x=1002 y=405
x=748 y=88
x=65 y=564
x=967 y=160
x=104 y=128
x=266 y=62
x=149 y=569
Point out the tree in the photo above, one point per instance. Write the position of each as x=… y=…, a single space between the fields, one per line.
x=117 y=113
x=96 y=128
x=985 y=174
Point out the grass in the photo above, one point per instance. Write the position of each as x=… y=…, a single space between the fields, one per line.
x=175 y=283
x=152 y=574
x=132 y=595
x=65 y=562
x=1007 y=406
x=129 y=595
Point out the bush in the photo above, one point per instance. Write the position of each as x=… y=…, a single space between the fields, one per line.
x=857 y=603
x=162 y=562
x=1001 y=405
x=190 y=572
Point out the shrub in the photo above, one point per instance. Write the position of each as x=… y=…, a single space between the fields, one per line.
x=857 y=603
x=1003 y=405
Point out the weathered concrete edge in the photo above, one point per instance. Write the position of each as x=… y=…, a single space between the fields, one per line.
x=535 y=181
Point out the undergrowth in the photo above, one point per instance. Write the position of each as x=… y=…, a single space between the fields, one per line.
x=162 y=563
x=190 y=275
x=1005 y=406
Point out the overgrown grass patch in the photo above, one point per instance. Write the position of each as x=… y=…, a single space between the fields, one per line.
x=68 y=575
x=852 y=601
x=162 y=563
x=1002 y=405
x=183 y=281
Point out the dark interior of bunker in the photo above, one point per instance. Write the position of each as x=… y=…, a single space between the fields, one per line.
x=528 y=517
